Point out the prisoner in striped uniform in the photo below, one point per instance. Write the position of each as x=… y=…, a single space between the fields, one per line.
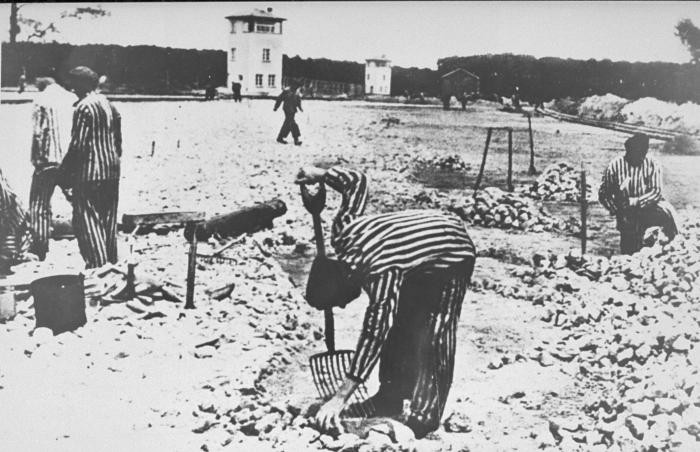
x=15 y=233
x=51 y=117
x=91 y=169
x=631 y=190
x=415 y=266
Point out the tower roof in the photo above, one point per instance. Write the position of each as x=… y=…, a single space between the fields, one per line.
x=381 y=58
x=258 y=14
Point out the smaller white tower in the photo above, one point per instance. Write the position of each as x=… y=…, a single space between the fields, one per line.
x=378 y=76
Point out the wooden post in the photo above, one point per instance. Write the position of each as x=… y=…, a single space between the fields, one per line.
x=584 y=211
x=531 y=171
x=483 y=161
x=191 y=267
x=510 y=159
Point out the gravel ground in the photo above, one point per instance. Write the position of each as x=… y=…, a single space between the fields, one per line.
x=137 y=380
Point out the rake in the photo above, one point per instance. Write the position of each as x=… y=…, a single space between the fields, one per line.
x=329 y=368
x=217 y=258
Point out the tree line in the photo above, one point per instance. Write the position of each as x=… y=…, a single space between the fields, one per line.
x=156 y=70
x=133 y=69
x=549 y=78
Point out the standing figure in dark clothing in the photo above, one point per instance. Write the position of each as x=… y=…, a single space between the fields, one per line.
x=236 y=88
x=291 y=102
x=91 y=168
x=415 y=266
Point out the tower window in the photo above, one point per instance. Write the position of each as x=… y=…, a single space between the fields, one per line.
x=271 y=81
x=367 y=76
x=258 y=80
x=266 y=56
x=265 y=28
x=233 y=54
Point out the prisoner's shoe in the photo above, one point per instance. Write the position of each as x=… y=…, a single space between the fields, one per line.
x=297 y=142
x=281 y=141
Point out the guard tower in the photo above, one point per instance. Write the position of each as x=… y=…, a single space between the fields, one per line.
x=255 y=52
x=378 y=76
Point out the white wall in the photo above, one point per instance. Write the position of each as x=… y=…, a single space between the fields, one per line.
x=249 y=60
x=379 y=81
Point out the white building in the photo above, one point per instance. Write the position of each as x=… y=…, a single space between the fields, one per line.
x=255 y=52
x=378 y=76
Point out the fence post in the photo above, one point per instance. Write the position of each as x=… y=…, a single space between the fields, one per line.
x=510 y=159
x=531 y=171
x=483 y=161
x=584 y=211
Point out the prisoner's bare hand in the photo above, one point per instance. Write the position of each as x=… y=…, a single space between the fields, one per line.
x=310 y=175
x=328 y=417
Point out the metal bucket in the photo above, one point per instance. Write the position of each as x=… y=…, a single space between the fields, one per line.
x=59 y=302
x=8 y=303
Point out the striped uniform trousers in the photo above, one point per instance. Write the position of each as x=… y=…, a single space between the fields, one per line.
x=15 y=234
x=417 y=360
x=417 y=265
x=95 y=222
x=622 y=182
x=40 y=194
x=92 y=168
x=51 y=118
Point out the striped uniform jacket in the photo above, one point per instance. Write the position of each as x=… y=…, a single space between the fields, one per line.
x=15 y=237
x=622 y=182
x=51 y=116
x=96 y=141
x=385 y=249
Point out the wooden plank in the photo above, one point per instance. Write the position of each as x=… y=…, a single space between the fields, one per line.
x=132 y=220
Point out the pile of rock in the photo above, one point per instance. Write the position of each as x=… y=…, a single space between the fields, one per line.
x=641 y=347
x=558 y=182
x=445 y=162
x=495 y=208
x=667 y=270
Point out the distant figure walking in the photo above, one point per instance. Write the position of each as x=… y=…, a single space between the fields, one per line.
x=236 y=88
x=91 y=170
x=22 y=82
x=291 y=102
x=51 y=116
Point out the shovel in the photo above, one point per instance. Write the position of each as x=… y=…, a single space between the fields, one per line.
x=328 y=369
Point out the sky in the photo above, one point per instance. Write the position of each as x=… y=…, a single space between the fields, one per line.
x=409 y=33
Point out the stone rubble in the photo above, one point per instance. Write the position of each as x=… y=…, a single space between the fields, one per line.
x=631 y=325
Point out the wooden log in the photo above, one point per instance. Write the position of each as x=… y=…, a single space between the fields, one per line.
x=248 y=219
